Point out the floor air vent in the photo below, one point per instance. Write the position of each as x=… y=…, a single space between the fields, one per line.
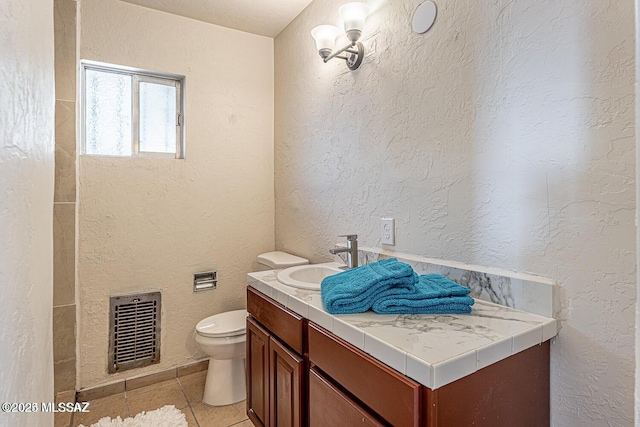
x=134 y=331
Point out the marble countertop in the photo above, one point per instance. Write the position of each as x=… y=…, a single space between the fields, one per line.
x=433 y=350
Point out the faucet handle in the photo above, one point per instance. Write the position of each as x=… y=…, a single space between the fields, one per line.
x=350 y=237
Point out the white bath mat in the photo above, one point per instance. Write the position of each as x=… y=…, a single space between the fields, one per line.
x=167 y=416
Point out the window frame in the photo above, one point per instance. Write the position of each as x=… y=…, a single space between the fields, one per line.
x=138 y=75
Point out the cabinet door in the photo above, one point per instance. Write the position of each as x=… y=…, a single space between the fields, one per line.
x=257 y=360
x=328 y=406
x=286 y=373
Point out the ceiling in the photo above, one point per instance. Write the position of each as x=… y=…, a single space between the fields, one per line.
x=263 y=17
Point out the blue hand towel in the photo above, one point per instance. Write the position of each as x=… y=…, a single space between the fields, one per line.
x=434 y=294
x=354 y=290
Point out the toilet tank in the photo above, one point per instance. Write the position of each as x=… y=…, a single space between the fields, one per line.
x=277 y=260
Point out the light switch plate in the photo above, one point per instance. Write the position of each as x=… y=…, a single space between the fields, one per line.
x=388 y=231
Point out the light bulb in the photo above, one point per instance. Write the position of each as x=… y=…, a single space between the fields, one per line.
x=353 y=16
x=325 y=37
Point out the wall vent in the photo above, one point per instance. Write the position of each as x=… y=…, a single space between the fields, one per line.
x=134 y=331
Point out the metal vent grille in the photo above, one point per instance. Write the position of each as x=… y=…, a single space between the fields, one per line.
x=134 y=331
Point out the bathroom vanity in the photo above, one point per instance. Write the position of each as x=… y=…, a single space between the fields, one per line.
x=306 y=367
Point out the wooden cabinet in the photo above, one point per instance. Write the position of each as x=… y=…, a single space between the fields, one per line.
x=275 y=370
x=299 y=375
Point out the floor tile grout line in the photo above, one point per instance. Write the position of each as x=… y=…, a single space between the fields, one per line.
x=126 y=403
x=188 y=401
x=194 y=416
x=183 y=391
x=75 y=400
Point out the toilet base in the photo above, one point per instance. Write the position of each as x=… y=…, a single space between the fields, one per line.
x=225 y=383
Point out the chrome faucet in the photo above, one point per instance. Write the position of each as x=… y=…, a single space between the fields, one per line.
x=351 y=250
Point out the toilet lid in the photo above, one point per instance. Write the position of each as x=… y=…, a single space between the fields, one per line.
x=227 y=324
x=279 y=259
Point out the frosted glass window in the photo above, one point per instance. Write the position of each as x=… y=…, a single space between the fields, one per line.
x=108 y=114
x=157 y=118
x=131 y=113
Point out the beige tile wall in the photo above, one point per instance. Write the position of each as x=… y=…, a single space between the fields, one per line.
x=65 y=187
x=64 y=206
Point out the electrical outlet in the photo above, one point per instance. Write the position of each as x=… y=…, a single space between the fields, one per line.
x=388 y=231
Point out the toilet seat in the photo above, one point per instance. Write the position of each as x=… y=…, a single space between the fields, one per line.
x=227 y=324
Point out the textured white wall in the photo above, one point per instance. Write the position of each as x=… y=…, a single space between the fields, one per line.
x=149 y=224
x=26 y=207
x=503 y=137
x=637 y=376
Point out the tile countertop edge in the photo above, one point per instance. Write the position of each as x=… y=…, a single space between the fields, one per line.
x=431 y=375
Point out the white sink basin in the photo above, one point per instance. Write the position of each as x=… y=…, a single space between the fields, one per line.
x=306 y=276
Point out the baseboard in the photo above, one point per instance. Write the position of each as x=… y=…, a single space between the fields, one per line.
x=133 y=383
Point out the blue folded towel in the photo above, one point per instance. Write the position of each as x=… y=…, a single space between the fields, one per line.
x=434 y=294
x=355 y=290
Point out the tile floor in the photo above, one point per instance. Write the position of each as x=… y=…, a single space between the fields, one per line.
x=183 y=392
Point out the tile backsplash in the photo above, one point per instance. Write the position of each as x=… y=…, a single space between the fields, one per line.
x=516 y=290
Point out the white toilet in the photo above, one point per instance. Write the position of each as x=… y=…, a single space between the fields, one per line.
x=223 y=338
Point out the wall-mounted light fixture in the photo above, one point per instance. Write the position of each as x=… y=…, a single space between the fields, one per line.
x=353 y=16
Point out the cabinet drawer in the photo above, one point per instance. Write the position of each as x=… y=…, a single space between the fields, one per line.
x=285 y=324
x=390 y=394
x=328 y=406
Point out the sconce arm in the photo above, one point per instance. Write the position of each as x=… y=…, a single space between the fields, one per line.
x=338 y=52
x=354 y=59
